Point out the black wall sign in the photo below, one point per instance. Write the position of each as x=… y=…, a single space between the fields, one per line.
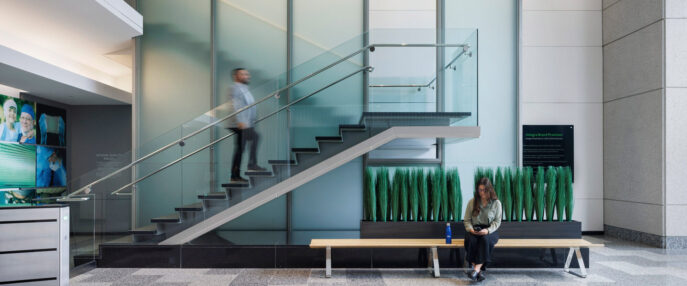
x=548 y=145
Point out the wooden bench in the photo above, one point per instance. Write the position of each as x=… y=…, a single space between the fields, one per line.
x=433 y=244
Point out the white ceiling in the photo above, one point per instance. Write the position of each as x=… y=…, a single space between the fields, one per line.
x=90 y=38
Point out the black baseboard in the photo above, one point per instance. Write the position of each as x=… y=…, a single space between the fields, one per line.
x=599 y=232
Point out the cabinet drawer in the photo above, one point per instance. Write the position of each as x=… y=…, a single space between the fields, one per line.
x=28 y=214
x=29 y=236
x=28 y=265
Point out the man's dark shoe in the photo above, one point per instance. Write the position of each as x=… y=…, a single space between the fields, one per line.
x=256 y=168
x=238 y=180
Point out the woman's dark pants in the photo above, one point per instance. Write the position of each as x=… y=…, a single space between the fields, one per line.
x=478 y=248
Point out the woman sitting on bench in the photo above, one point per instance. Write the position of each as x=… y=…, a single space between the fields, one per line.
x=482 y=219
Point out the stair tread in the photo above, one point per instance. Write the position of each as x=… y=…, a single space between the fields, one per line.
x=214 y=196
x=328 y=138
x=190 y=207
x=258 y=173
x=168 y=218
x=352 y=126
x=235 y=185
x=304 y=150
x=148 y=229
x=282 y=162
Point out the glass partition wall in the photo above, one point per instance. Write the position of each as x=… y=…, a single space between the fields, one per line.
x=318 y=73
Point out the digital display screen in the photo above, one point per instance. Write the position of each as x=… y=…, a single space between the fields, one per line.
x=18 y=167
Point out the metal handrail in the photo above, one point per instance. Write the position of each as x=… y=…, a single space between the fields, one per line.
x=371 y=47
x=419 y=86
x=117 y=192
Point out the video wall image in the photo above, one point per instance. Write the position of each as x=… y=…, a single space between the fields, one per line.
x=18 y=168
x=52 y=126
x=50 y=167
x=33 y=151
x=18 y=120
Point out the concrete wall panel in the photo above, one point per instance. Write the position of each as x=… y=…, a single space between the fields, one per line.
x=634 y=64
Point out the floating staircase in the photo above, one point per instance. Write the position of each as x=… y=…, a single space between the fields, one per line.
x=352 y=141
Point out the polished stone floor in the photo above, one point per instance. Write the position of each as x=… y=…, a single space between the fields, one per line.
x=619 y=263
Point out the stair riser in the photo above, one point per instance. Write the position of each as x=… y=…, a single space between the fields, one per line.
x=189 y=215
x=258 y=184
x=354 y=136
x=327 y=151
x=210 y=204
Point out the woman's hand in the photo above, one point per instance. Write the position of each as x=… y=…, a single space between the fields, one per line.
x=473 y=231
x=483 y=232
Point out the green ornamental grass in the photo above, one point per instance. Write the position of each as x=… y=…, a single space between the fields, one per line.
x=540 y=193
x=444 y=195
x=436 y=194
x=423 y=195
x=479 y=172
x=507 y=195
x=455 y=194
x=560 y=193
x=395 y=196
x=383 y=193
x=517 y=195
x=403 y=185
x=527 y=193
x=550 y=192
x=570 y=199
x=413 y=193
x=489 y=173
x=370 y=195
x=498 y=183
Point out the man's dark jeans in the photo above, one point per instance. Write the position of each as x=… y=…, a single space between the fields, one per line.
x=242 y=136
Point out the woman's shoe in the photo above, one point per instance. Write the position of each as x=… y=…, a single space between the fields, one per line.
x=473 y=275
x=480 y=277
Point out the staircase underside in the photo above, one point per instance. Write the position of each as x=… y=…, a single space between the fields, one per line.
x=274 y=191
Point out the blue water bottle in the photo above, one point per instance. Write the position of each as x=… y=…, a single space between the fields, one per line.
x=448 y=233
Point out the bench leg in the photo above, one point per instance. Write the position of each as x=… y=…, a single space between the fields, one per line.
x=328 y=270
x=580 y=262
x=430 y=261
x=435 y=258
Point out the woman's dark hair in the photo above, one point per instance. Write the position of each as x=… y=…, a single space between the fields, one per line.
x=489 y=188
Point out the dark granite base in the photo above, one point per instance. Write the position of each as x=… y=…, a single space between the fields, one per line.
x=214 y=254
x=667 y=242
x=294 y=256
x=139 y=256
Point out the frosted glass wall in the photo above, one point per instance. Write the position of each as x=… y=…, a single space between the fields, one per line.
x=325 y=31
x=174 y=89
x=496 y=24
x=252 y=34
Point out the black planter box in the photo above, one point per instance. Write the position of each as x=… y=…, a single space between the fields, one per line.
x=502 y=258
x=436 y=229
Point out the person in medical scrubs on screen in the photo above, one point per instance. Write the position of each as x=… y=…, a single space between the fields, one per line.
x=28 y=130
x=8 y=129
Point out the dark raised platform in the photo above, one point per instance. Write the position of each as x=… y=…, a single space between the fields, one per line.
x=219 y=253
